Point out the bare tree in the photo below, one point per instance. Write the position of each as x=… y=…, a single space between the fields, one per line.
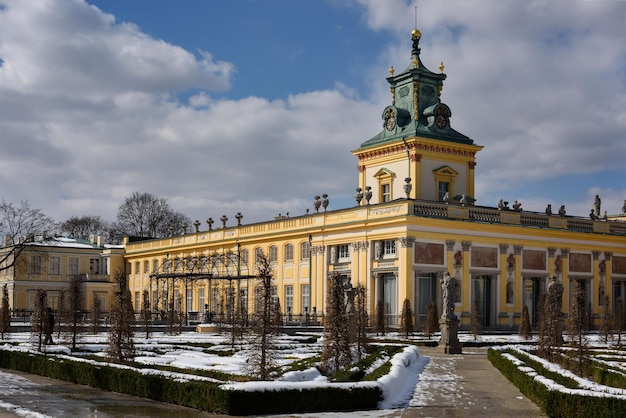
x=61 y=313
x=606 y=322
x=277 y=315
x=619 y=319
x=550 y=327
x=336 y=352
x=577 y=323
x=432 y=319
x=96 y=312
x=361 y=319
x=75 y=310
x=475 y=322
x=82 y=227
x=524 y=327
x=406 y=324
x=38 y=320
x=121 y=344
x=145 y=215
x=146 y=314
x=381 y=320
x=19 y=225
x=5 y=312
x=261 y=358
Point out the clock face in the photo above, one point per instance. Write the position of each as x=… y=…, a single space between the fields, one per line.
x=391 y=123
x=441 y=121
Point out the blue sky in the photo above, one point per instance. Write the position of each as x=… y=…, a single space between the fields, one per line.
x=254 y=106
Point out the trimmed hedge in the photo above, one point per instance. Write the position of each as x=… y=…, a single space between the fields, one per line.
x=553 y=402
x=202 y=395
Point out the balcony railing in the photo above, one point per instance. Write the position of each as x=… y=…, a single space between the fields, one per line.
x=511 y=217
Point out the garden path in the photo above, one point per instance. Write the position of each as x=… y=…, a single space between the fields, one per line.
x=465 y=385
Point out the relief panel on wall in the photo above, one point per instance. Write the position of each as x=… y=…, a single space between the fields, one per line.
x=580 y=263
x=484 y=257
x=429 y=253
x=618 y=265
x=533 y=260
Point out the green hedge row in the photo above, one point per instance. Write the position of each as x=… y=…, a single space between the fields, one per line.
x=207 y=396
x=553 y=402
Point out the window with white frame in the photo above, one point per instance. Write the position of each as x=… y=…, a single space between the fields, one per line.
x=137 y=265
x=201 y=301
x=258 y=253
x=305 y=250
x=189 y=301
x=244 y=299
x=273 y=253
x=244 y=256
x=73 y=266
x=343 y=252
x=289 y=299
x=389 y=248
x=306 y=298
x=55 y=265
x=385 y=192
x=289 y=252
x=155 y=266
x=146 y=266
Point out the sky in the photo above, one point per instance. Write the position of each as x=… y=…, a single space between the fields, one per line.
x=254 y=106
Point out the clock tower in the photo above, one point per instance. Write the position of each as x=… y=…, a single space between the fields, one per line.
x=417 y=146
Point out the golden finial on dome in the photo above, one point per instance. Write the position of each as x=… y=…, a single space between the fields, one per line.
x=416 y=34
x=441 y=67
x=391 y=70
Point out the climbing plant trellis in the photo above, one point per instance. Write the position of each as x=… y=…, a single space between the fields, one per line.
x=216 y=271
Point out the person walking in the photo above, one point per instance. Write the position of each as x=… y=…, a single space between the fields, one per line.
x=49 y=326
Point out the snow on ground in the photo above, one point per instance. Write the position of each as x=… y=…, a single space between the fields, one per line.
x=413 y=381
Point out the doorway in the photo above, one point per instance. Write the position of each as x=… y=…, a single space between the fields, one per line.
x=484 y=299
x=532 y=295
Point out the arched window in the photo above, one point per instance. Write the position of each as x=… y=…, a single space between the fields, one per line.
x=289 y=252
x=305 y=250
x=273 y=253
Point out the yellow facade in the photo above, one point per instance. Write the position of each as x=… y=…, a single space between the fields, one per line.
x=50 y=263
x=415 y=219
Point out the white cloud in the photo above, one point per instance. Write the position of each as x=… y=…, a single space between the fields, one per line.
x=89 y=114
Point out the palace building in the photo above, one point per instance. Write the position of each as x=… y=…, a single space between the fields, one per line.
x=51 y=262
x=415 y=217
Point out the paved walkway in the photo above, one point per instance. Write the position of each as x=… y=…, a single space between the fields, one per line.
x=465 y=385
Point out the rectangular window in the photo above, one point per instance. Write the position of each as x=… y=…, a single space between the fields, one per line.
x=306 y=299
x=55 y=265
x=343 y=252
x=443 y=188
x=244 y=299
x=155 y=266
x=244 y=256
x=289 y=299
x=189 y=302
x=201 y=301
x=385 y=192
x=73 y=266
x=137 y=301
x=216 y=300
x=146 y=266
x=389 y=247
x=137 y=265
x=94 y=266
x=177 y=300
x=259 y=253
x=35 y=264
x=155 y=301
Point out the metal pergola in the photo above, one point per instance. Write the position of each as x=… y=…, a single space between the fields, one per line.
x=192 y=271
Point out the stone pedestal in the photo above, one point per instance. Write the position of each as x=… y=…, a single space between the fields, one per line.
x=449 y=343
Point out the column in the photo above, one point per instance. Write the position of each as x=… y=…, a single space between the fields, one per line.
x=405 y=270
x=466 y=280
